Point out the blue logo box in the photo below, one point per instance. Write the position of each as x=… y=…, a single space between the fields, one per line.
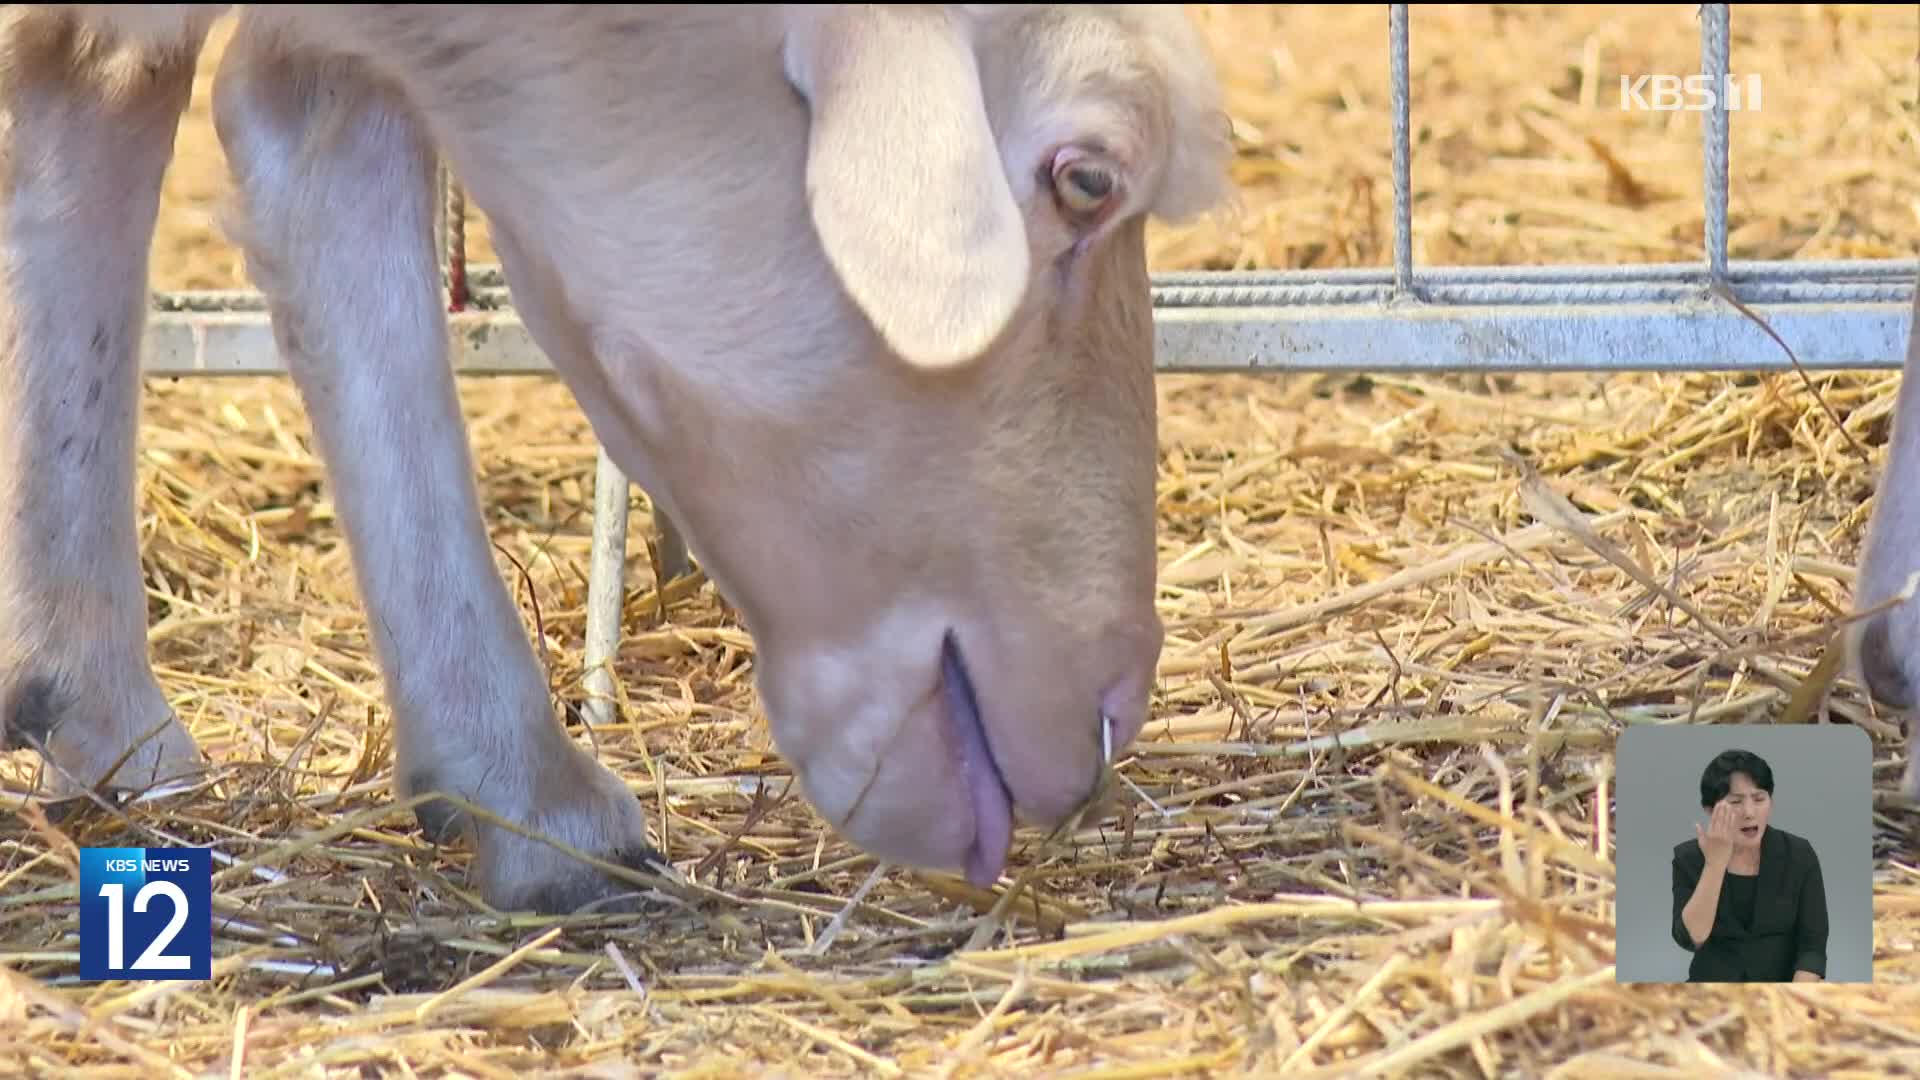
x=146 y=913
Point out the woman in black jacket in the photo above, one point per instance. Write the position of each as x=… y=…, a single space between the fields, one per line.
x=1748 y=900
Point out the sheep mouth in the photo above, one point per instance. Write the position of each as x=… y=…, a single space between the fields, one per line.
x=987 y=792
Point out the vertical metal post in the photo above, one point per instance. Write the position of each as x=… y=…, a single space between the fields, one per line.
x=607 y=579
x=1713 y=64
x=450 y=236
x=457 y=294
x=1402 y=153
x=606 y=584
x=440 y=180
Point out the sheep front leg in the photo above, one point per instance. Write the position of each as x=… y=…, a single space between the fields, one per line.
x=337 y=189
x=87 y=123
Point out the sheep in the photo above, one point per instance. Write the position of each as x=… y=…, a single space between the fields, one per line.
x=1881 y=646
x=856 y=293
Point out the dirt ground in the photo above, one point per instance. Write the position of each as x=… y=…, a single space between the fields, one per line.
x=1353 y=556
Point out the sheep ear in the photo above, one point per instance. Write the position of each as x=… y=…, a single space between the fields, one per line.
x=904 y=180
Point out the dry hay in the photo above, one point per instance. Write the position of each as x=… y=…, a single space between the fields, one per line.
x=1361 y=558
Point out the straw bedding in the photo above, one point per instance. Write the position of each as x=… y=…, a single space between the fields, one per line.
x=1353 y=557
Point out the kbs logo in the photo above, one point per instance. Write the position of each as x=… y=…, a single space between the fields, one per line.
x=146 y=913
x=1690 y=93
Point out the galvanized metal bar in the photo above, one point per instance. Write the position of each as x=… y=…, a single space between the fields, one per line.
x=489 y=289
x=1576 y=275
x=606 y=586
x=1527 y=294
x=1614 y=338
x=1856 y=321
x=1226 y=291
x=1569 y=281
x=1713 y=64
x=1402 y=152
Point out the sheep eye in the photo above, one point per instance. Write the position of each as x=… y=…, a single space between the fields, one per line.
x=1083 y=186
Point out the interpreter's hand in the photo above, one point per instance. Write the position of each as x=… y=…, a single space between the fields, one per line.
x=1716 y=843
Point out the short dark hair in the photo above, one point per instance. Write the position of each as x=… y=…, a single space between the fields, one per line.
x=1717 y=778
